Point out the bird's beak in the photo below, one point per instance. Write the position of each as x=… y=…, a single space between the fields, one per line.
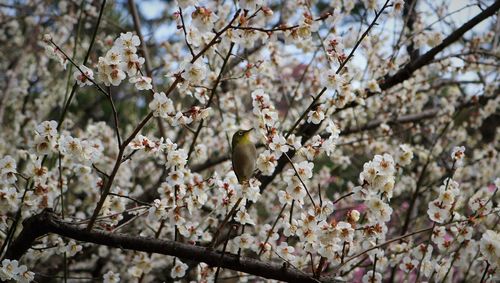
x=248 y=131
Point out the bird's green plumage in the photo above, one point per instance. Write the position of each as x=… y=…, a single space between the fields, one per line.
x=244 y=155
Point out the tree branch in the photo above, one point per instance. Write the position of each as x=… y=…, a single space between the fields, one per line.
x=308 y=130
x=405 y=73
x=47 y=222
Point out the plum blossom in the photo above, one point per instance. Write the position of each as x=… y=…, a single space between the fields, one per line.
x=108 y=69
x=161 y=105
x=111 y=277
x=177 y=158
x=243 y=217
x=371 y=277
x=179 y=269
x=384 y=164
x=84 y=76
x=490 y=247
x=291 y=228
x=194 y=73
x=376 y=186
x=408 y=264
x=71 y=146
x=437 y=212
x=285 y=251
x=8 y=170
x=131 y=64
x=373 y=86
x=332 y=80
x=204 y=19
x=266 y=162
x=141 y=82
x=458 y=154
x=24 y=275
x=333 y=129
x=269 y=117
x=296 y=190
x=405 y=155
x=285 y=197
x=11 y=270
x=316 y=116
x=158 y=210
x=330 y=250
x=8 y=198
x=244 y=241
x=278 y=145
x=72 y=248
x=47 y=129
x=56 y=54
x=379 y=210
x=128 y=41
x=353 y=216
x=304 y=169
x=121 y=60
x=260 y=101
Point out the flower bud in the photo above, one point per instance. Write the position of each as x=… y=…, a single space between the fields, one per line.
x=353 y=216
x=47 y=37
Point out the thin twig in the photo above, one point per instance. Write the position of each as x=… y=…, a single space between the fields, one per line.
x=485 y=272
x=130 y=198
x=301 y=181
x=272 y=230
x=185 y=33
x=75 y=85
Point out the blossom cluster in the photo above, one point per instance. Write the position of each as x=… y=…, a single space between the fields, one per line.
x=11 y=270
x=122 y=60
x=377 y=159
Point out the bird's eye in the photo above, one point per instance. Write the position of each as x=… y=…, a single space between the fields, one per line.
x=240 y=133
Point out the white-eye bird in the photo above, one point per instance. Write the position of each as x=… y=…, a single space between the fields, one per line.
x=244 y=155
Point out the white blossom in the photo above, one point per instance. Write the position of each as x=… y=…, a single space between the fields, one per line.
x=331 y=80
x=141 y=82
x=194 y=73
x=204 y=19
x=84 y=76
x=161 y=105
x=179 y=269
x=458 y=155
x=111 y=277
x=266 y=162
x=490 y=247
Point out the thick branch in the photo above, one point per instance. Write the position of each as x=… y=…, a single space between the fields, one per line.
x=401 y=76
x=47 y=222
x=405 y=73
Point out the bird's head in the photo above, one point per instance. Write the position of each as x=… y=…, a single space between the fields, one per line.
x=241 y=136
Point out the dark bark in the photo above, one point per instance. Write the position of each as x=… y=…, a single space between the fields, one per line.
x=47 y=222
x=307 y=130
x=405 y=73
x=410 y=17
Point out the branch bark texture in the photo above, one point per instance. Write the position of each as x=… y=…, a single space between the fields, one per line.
x=47 y=222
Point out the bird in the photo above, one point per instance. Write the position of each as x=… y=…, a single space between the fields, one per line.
x=244 y=155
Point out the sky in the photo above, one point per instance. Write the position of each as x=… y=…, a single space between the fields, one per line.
x=463 y=11
x=155 y=8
